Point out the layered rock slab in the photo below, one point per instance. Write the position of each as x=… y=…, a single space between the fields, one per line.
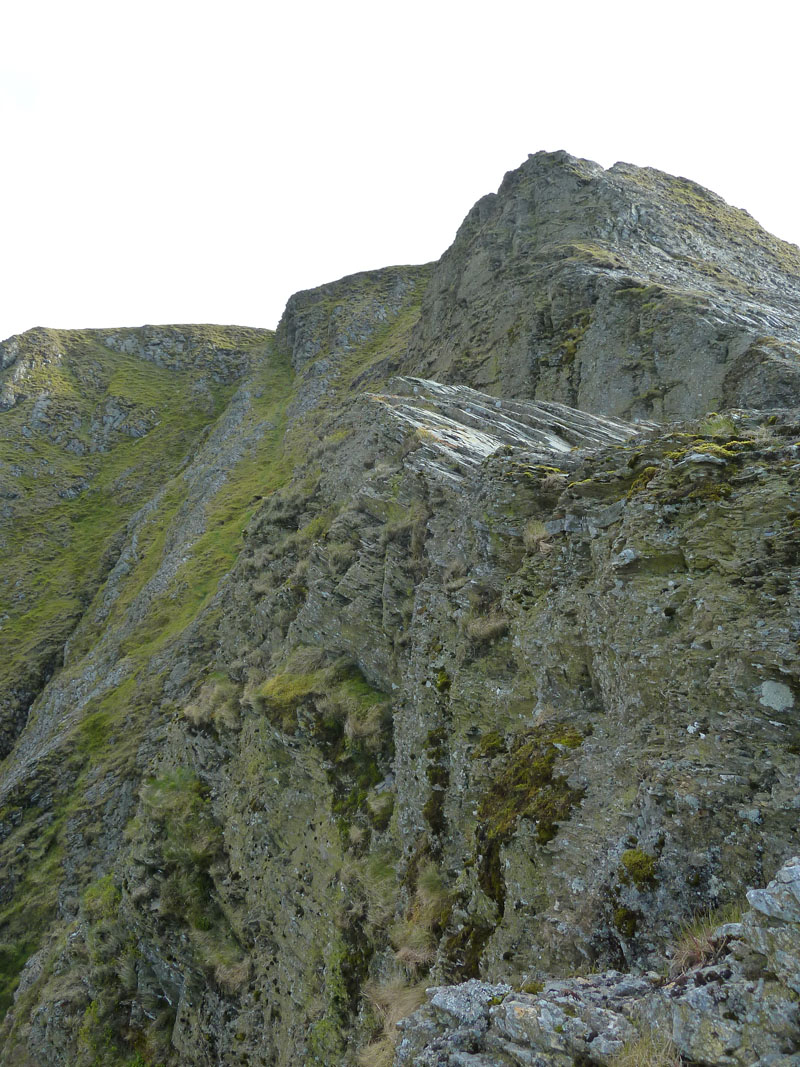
x=463 y=426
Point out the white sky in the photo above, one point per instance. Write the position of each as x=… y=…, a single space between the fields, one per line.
x=178 y=161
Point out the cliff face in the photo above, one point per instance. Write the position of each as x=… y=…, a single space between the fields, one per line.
x=601 y=289
x=329 y=676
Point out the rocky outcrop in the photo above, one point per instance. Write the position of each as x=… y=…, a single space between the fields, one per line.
x=328 y=331
x=623 y=291
x=222 y=353
x=736 y=1004
x=462 y=426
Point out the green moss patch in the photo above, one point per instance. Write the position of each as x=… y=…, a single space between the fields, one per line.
x=638 y=867
x=525 y=785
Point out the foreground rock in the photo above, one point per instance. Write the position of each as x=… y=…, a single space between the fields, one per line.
x=738 y=1007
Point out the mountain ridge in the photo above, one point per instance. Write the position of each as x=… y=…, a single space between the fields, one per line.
x=539 y=268
x=355 y=657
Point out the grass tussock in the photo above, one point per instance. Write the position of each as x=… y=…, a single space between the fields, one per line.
x=455 y=576
x=697 y=944
x=416 y=936
x=374 y=881
x=484 y=629
x=216 y=705
x=389 y=1001
x=219 y=954
x=536 y=538
x=650 y=1048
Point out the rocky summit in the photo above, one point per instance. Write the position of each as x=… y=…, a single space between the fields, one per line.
x=419 y=683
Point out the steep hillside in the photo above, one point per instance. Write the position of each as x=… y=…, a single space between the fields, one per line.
x=396 y=649
x=92 y=428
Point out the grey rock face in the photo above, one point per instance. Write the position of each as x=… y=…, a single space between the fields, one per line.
x=463 y=1010
x=623 y=292
x=224 y=353
x=323 y=329
x=772 y=927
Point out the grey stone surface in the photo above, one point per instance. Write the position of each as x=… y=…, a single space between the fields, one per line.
x=598 y=288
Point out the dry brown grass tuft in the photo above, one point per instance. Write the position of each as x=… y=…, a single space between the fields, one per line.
x=483 y=629
x=415 y=946
x=216 y=704
x=535 y=537
x=650 y=1048
x=390 y=1001
x=365 y=724
x=232 y=977
x=697 y=946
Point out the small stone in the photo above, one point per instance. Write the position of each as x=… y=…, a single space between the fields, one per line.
x=469 y=1002
x=777 y=696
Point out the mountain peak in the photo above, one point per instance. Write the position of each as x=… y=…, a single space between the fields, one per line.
x=623 y=291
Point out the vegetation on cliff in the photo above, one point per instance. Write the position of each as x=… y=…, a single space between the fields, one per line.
x=323 y=683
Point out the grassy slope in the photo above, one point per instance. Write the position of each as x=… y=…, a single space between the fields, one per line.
x=56 y=549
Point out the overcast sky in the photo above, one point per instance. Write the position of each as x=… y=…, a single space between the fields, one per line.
x=194 y=162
